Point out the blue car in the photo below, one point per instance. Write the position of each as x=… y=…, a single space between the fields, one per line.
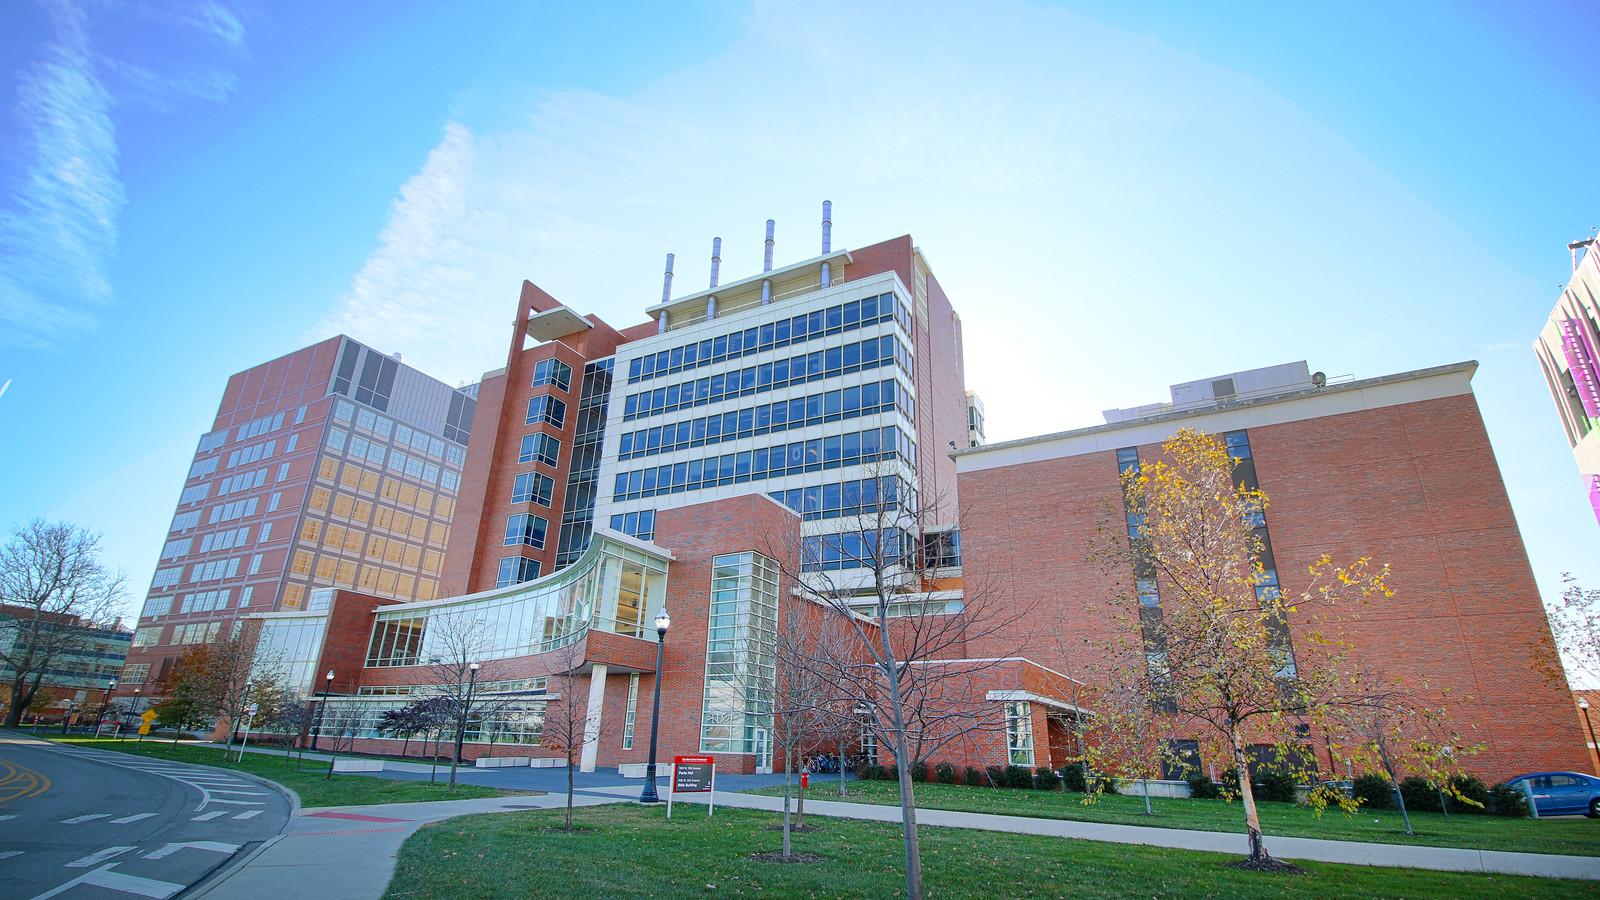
x=1562 y=793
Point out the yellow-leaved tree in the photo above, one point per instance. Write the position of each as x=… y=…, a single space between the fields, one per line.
x=1208 y=642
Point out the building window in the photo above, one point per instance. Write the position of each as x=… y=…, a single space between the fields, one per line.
x=869 y=744
x=533 y=487
x=525 y=529
x=633 y=711
x=516 y=570
x=741 y=646
x=552 y=371
x=641 y=525
x=1019 y=732
x=540 y=448
x=547 y=409
x=135 y=674
x=1180 y=758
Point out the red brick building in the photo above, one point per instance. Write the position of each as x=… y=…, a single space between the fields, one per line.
x=742 y=432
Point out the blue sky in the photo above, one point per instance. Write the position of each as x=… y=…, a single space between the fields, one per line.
x=1115 y=199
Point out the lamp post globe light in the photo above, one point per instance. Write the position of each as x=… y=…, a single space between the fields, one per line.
x=648 y=795
x=105 y=704
x=327 y=685
x=461 y=719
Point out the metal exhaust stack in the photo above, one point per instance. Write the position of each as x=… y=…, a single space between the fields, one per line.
x=766 y=266
x=716 y=268
x=827 y=238
x=666 y=295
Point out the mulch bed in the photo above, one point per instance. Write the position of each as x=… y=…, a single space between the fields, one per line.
x=797 y=829
x=778 y=857
x=1274 y=866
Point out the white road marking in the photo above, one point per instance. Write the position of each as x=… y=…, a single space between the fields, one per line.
x=248 y=815
x=246 y=793
x=129 y=820
x=79 y=819
x=236 y=802
x=7 y=816
x=206 y=817
x=7 y=854
x=95 y=859
x=213 y=846
x=132 y=884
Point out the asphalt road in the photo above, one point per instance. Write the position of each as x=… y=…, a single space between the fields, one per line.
x=79 y=823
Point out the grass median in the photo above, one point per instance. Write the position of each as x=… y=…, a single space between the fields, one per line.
x=308 y=780
x=644 y=855
x=1568 y=835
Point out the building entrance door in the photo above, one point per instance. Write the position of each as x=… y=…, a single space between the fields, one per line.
x=763 y=753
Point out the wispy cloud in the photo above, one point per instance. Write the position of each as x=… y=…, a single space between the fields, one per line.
x=59 y=218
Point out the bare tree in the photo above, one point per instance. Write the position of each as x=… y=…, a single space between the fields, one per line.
x=803 y=697
x=456 y=644
x=907 y=672
x=52 y=584
x=1575 y=626
x=567 y=723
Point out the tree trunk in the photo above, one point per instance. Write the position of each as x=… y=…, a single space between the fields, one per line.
x=1146 y=783
x=788 y=779
x=1400 y=802
x=569 y=789
x=1247 y=798
x=841 y=764
x=800 y=806
x=908 y=804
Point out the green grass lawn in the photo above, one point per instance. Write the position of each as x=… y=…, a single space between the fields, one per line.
x=308 y=782
x=625 y=850
x=1576 y=836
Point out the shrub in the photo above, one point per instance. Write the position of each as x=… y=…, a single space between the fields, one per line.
x=1505 y=800
x=974 y=776
x=864 y=770
x=891 y=772
x=996 y=775
x=1107 y=784
x=1420 y=794
x=1201 y=787
x=919 y=770
x=1275 y=786
x=1472 y=788
x=1072 y=778
x=1374 y=791
x=1046 y=779
x=1230 y=782
x=1019 y=777
x=945 y=773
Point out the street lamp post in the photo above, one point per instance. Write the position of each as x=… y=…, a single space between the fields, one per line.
x=327 y=685
x=648 y=795
x=461 y=718
x=136 y=713
x=1583 y=704
x=333 y=753
x=105 y=704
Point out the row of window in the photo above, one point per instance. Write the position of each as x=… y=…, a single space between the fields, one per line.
x=813 y=455
x=783 y=333
x=856 y=497
x=217 y=568
x=830 y=406
x=854 y=550
x=227 y=512
x=206 y=601
x=641 y=524
x=525 y=528
x=404 y=436
x=411 y=466
x=225 y=540
x=554 y=372
x=577 y=507
x=516 y=570
x=252 y=454
x=815 y=366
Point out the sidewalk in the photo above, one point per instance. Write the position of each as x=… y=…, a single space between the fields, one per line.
x=350 y=852
x=1445 y=859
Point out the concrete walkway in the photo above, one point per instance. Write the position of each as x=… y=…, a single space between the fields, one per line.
x=350 y=852
x=1445 y=859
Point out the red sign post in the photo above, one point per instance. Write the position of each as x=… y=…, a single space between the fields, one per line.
x=693 y=775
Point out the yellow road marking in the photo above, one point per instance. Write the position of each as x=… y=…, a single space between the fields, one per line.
x=20 y=782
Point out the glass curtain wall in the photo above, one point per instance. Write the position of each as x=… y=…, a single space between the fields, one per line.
x=741 y=651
